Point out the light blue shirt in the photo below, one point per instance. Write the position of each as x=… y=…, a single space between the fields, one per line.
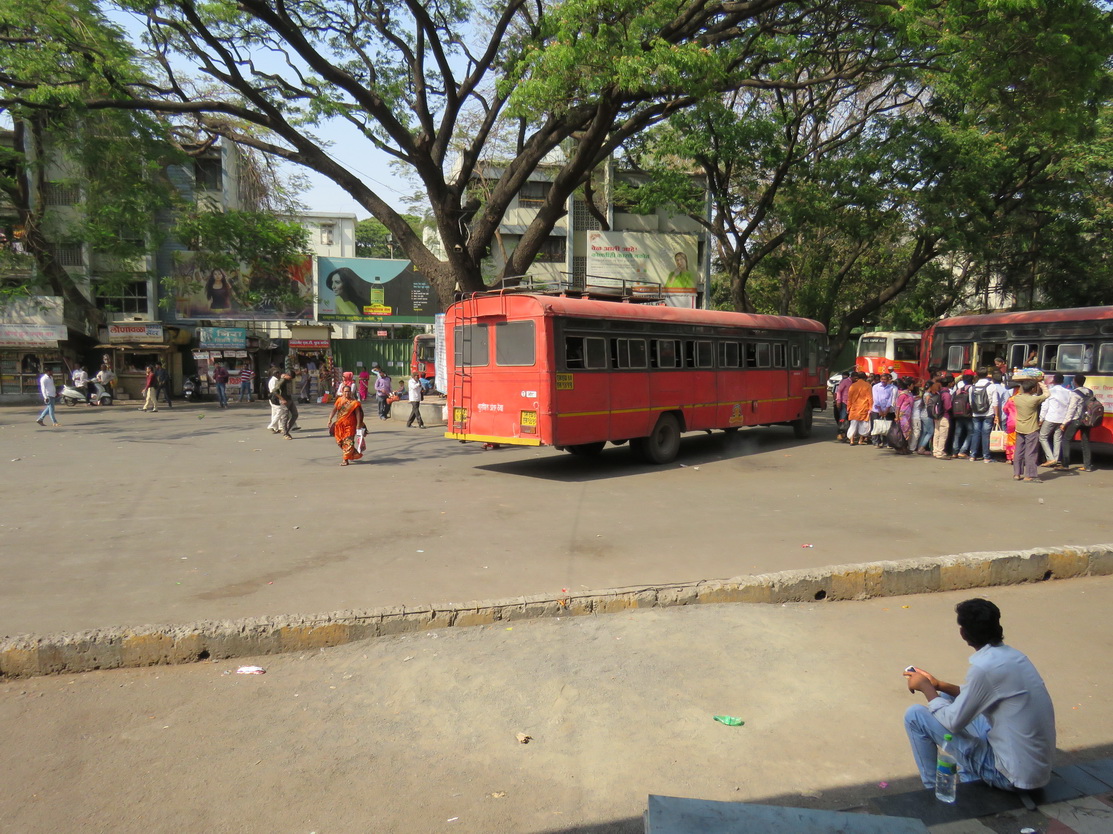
x=883 y=397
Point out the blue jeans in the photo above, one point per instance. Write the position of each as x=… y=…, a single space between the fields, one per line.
x=979 y=439
x=969 y=746
x=245 y=390
x=840 y=417
x=222 y=393
x=927 y=431
x=49 y=412
x=961 y=441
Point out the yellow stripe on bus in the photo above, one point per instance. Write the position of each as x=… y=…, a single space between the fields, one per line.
x=662 y=409
x=502 y=441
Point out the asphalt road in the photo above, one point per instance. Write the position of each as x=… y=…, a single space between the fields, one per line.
x=124 y=518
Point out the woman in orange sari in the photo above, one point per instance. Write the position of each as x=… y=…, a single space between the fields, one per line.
x=346 y=418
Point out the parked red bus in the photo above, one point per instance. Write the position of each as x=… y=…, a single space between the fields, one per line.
x=896 y=353
x=424 y=356
x=572 y=373
x=1078 y=340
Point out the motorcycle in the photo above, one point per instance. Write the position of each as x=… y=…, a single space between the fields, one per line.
x=191 y=389
x=71 y=396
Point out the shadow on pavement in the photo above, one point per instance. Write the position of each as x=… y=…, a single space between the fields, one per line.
x=857 y=798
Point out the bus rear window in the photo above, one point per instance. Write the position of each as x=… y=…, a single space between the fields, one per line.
x=472 y=345
x=514 y=343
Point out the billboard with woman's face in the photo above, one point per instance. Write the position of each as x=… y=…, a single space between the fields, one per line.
x=373 y=289
x=203 y=293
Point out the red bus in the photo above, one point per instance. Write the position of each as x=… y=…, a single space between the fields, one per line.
x=896 y=353
x=572 y=373
x=1078 y=340
x=424 y=356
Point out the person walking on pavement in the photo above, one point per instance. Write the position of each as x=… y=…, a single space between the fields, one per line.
x=150 y=403
x=163 y=380
x=220 y=377
x=49 y=391
x=272 y=383
x=1076 y=422
x=1053 y=418
x=382 y=392
x=1027 y=404
x=414 y=386
x=283 y=397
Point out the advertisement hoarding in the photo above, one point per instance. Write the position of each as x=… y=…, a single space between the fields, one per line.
x=645 y=262
x=373 y=290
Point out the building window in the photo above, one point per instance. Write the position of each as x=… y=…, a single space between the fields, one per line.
x=327 y=234
x=128 y=298
x=533 y=193
x=552 y=250
x=68 y=254
x=61 y=194
x=208 y=174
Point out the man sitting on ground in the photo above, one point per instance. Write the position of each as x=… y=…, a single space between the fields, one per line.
x=1002 y=720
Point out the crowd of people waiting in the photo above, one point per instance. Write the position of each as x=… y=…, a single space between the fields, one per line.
x=980 y=414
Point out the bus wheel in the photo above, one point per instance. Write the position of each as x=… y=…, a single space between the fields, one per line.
x=588 y=449
x=802 y=428
x=663 y=442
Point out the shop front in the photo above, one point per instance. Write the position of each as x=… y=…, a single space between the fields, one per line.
x=133 y=346
x=26 y=350
x=229 y=347
x=310 y=358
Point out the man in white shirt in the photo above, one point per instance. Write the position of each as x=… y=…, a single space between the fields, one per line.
x=1001 y=719
x=81 y=381
x=1053 y=416
x=48 y=390
x=415 y=392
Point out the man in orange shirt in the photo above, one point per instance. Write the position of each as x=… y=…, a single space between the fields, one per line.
x=859 y=401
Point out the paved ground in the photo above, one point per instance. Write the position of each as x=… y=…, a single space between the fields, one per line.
x=418 y=733
x=124 y=518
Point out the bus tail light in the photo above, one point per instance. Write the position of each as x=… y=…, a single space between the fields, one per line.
x=528 y=422
x=459 y=417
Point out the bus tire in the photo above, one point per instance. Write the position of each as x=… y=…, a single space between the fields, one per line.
x=802 y=428
x=663 y=442
x=587 y=449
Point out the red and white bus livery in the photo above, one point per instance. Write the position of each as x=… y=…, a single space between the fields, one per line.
x=896 y=353
x=574 y=373
x=1071 y=341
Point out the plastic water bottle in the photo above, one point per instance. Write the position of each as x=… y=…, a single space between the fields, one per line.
x=946 y=774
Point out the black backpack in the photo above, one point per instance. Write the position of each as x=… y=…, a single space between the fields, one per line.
x=960 y=403
x=979 y=398
x=935 y=406
x=1093 y=412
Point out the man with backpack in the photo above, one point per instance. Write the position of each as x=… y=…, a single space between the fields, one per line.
x=1085 y=412
x=962 y=416
x=986 y=410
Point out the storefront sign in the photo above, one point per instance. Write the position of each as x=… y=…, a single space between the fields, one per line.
x=223 y=337
x=135 y=332
x=309 y=344
x=31 y=335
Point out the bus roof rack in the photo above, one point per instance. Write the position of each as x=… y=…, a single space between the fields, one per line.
x=570 y=286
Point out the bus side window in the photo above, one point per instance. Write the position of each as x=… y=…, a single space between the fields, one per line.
x=1050 y=354
x=958 y=357
x=637 y=353
x=778 y=355
x=704 y=355
x=1018 y=355
x=751 y=355
x=728 y=354
x=689 y=353
x=797 y=355
x=595 y=355
x=763 y=353
x=1070 y=358
x=574 y=352
x=1105 y=359
x=665 y=353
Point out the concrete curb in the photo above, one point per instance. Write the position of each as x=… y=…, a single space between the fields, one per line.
x=114 y=648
